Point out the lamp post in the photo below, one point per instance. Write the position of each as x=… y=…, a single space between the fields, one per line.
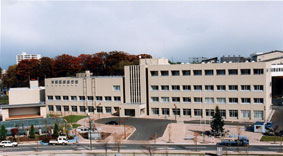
x=90 y=129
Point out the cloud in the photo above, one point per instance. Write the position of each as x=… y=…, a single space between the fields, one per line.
x=163 y=29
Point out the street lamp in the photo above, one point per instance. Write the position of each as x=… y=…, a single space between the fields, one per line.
x=90 y=129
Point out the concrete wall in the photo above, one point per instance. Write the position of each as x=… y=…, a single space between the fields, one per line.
x=24 y=111
x=268 y=56
x=25 y=96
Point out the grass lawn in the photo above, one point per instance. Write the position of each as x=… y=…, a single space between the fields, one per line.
x=271 y=138
x=76 y=125
x=74 y=118
x=4 y=100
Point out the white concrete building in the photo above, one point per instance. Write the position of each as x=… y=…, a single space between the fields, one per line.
x=25 y=56
x=243 y=91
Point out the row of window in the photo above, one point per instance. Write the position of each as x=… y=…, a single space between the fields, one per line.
x=208 y=112
x=207 y=87
x=66 y=108
x=83 y=98
x=208 y=72
x=64 y=81
x=208 y=100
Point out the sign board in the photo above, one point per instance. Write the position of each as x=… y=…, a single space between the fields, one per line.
x=219 y=151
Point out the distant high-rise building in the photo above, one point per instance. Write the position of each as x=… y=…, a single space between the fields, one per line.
x=25 y=56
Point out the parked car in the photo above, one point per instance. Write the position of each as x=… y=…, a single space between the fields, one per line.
x=8 y=143
x=61 y=140
x=111 y=123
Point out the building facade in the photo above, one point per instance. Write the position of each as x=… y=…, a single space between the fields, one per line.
x=25 y=56
x=156 y=88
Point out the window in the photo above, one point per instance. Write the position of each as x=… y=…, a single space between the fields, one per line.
x=245 y=71
x=198 y=112
x=64 y=81
x=186 y=72
x=82 y=98
x=209 y=100
x=154 y=73
x=58 y=97
x=246 y=100
x=99 y=98
x=116 y=87
x=186 y=99
x=258 y=71
x=99 y=109
x=154 y=87
x=258 y=87
x=58 y=108
x=165 y=111
x=187 y=112
x=176 y=111
x=65 y=98
x=164 y=99
x=197 y=99
x=258 y=115
x=117 y=98
x=107 y=98
x=221 y=100
x=233 y=71
x=72 y=81
x=68 y=81
x=220 y=72
x=50 y=97
x=66 y=108
x=245 y=113
x=186 y=87
x=233 y=100
x=165 y=87
x=50 y=108
x=76 y=81
x=52 y=82
x=108 y=110
x=90 y=98
x=221 y=87
x=154 y=99
x=175 y=87
x=233 y=113
x=209 y=87
x=60 y=81
x=56 y=81
x=155 y=111
x=82 y=108
x=90 y=109
x=197 y=88
x=233 y=88
x=245 y=87
x=208 y=72
x=258 y=100
x=222 y=113
x=197 y=72
x=175 y=72
x=209 y=112
x=175 y=99
x=74 y=109
x=164 y=73
x=73 y=98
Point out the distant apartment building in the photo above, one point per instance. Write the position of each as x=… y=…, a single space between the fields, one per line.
x=25 y=56
x=155 y=88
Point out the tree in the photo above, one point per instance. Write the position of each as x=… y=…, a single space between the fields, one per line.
x=66 y=65
x=55 y=131
x=3 y=132
x=10 y=78
x=27 y=70
x=14 y=132
x=217 y=123
x=46 y=69
x=0 y=73
x=31 y=132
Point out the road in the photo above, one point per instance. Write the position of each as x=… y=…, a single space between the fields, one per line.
x=141 y=147
x=145 y=128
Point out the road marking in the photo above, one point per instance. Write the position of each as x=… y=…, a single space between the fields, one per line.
x=195 y=147
x=161 y=148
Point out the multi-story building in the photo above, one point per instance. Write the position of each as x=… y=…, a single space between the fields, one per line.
x=25 y=56
x=243 y=91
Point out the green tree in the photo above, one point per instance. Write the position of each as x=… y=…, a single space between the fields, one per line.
x=31 y=132
x=3 y=132
x=217 y=123
x=55 y=131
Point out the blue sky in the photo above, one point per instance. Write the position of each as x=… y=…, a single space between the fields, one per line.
x=175 y=30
